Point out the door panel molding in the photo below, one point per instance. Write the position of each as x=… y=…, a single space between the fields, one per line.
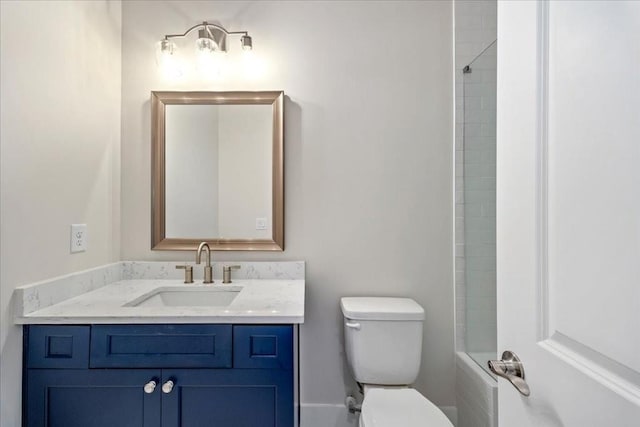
x=619 y=378
x=543 y=173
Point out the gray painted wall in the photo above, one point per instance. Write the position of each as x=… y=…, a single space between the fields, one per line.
x=369 y=158
x=59 y=153
x=369 y=161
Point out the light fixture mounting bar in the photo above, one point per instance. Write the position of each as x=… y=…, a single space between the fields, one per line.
x=205 y=25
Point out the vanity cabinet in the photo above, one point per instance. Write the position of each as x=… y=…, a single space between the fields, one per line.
x=158 y=375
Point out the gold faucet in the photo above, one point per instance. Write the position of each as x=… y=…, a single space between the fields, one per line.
x=208 y=270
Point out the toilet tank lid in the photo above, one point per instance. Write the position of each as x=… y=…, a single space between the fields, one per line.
x=381 y=308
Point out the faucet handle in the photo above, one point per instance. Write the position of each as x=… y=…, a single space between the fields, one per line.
x=226 y=272
x=188 y=272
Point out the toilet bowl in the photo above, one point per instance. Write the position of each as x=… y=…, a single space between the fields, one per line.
x=383 y=343
x=403 y=407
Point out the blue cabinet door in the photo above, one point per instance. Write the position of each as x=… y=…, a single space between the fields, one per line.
x=228 y=398
x=91 y=398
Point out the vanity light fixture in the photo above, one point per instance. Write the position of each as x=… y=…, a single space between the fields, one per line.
x=211 y=38
x=211 y=46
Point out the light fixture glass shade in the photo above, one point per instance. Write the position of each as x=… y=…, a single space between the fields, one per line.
x=167 y=60
x=205 y=44
x=247 y=42
x=167 y=47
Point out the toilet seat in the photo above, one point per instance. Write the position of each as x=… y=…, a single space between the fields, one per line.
x=400 y=407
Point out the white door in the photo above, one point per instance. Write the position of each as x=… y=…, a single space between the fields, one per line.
x=568 y=211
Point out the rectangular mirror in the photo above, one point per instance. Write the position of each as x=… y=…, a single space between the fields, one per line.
x=217 y=170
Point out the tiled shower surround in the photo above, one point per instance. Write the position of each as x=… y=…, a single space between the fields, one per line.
x=480 y=203
x=475 y=169
x=475 y=184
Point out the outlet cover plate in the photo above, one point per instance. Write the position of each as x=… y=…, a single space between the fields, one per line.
x=261 y=223
x=78 y=238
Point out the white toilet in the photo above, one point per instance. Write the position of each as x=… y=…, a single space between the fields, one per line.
x=383 y=342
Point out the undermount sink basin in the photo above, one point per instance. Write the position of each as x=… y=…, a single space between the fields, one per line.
x=187 y=296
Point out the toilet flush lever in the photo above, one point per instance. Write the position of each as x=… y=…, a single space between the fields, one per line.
x=353 y=325
x=511 y=368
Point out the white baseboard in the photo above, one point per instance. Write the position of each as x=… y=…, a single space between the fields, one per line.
x=320 y=415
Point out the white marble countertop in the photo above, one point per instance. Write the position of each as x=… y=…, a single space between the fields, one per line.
x=259 y=301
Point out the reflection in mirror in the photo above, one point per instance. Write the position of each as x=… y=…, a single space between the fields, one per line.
x=226 y=150
x=217 y=170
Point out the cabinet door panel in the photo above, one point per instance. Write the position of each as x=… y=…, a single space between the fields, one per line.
x=91 y=398
x=228 y=398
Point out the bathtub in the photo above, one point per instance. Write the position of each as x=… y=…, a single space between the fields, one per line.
x=476 y=393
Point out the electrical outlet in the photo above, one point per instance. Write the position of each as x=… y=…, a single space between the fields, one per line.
x=78 y=238
x=261 y=223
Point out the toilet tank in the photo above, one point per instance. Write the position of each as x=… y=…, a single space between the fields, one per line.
x=383 y=339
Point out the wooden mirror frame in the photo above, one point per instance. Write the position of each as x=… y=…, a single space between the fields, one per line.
x=159 y=100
